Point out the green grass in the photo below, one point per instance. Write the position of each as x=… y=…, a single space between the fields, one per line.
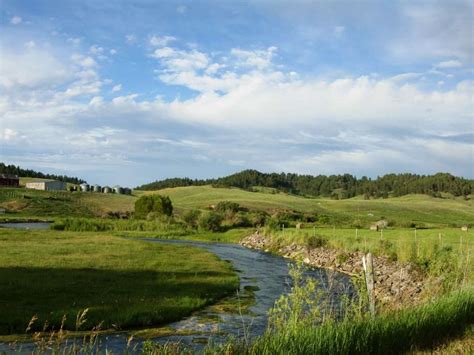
x=421 y=210
x=125 y=283
x=418 y=209
x=25 y=203
x=394 y=333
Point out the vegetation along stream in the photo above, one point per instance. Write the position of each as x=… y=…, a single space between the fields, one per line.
x=263 y=279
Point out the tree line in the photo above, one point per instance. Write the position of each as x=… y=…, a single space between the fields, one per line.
x=335 y=186
x=16 y=170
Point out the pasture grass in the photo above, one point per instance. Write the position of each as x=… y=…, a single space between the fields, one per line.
x=403 y=211
x=124 y=283
x=393 y=333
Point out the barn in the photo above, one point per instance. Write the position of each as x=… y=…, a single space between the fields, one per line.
x=9 y=180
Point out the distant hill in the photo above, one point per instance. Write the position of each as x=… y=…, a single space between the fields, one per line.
x=16 y=170
x=334 y=186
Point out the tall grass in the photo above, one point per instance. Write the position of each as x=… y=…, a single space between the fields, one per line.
x=392 y=333
x=168 y=227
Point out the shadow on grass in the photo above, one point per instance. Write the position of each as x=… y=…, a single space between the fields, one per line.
x=121 y=299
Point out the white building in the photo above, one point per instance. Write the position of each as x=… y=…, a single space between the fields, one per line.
x=51 y=185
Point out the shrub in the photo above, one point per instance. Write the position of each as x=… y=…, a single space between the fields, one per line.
x=227 y=206
x=191 y=218
x=210 y=221
x=161 y=205
x=257 y=218
x=315 y=241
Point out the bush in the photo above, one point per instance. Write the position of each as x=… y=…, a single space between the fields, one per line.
x=315 y=241
x=210 y=221
x=160 y=205
x=257 y=218
x=227 y=206
x=191 y=218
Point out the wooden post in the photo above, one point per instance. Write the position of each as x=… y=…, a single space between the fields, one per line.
x=368 y=263
x=357 y=233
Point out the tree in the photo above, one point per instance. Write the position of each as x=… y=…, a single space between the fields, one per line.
x=157 y=204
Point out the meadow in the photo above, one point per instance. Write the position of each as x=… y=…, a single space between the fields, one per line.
x=403 y=211
x=84 y=261
x=124 y=283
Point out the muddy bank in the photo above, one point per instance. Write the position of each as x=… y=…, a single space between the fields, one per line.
x=396 y=284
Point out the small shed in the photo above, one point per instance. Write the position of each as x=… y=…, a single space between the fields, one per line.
x=97 y=188
x=299 y=225
x=106 y=190
x=464 y=228
x=85 y=187
x=51 y=185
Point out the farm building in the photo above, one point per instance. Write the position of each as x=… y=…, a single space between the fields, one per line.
x=85 y=187
x=96 y=188
x=118 y=190
x=107 y=190
x=382 y=224
x=9 y=180
x=52 y=185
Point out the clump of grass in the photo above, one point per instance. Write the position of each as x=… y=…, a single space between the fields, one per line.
x=165 y=225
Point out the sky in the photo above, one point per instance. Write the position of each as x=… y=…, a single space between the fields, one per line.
x=127 y=92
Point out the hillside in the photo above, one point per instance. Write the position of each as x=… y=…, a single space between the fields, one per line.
x=418 y=209
x=421 y=210
x=29 y=173
x=334 y=186
x=21 y=203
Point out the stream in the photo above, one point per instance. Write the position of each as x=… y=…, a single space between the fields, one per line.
x=263 y=279
x=264 y=274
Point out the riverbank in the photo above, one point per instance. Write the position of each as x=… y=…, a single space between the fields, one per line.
x=396 y=283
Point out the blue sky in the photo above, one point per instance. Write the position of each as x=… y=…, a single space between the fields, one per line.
x=129 y=92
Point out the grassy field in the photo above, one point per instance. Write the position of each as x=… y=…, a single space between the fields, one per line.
x=418 y=209
x=421 y=210
x=125 y=283
x=22 y=203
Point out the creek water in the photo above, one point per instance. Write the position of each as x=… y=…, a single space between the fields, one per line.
x=26 y=225
x=263 y=275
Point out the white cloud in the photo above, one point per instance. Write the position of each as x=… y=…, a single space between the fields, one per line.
x=8 y=134
x=181 y=9
x=448 y=64
x=158 y=41
x=163 y=53
x=31 y=68
x=16 y=20
x=113 y=51
x=117 y=87
x=259 y=59
x=84 y=61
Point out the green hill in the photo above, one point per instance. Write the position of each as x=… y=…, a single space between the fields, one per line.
x=421 y=210
x=418 y=209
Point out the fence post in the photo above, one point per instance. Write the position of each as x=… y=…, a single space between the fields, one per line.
x=368 y=264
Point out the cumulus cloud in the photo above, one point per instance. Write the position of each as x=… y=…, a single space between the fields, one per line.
x=117 y=88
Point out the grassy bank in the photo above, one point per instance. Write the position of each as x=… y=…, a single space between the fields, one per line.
x=124 y=283
x=394 y=333
x=437 y=250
